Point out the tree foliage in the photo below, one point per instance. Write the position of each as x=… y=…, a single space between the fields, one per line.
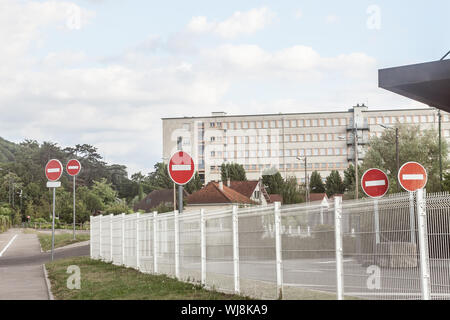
x=414 y=145
x=232 y=171
x=316 y=184
x=334 y=184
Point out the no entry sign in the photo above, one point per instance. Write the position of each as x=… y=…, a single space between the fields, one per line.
x=73 y=167
x=375 y=183
x=412 y=176
x=53 y=170
x=181 y=168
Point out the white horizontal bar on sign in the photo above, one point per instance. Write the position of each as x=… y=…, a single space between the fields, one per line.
x=72 y=167
x=375 y=183
x=53 y=184
x=181 y=167
x=412 y=177
x=50 y=170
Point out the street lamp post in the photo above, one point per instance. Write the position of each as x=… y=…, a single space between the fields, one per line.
x=356 y=161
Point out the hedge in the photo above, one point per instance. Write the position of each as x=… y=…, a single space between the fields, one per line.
x=5 y=223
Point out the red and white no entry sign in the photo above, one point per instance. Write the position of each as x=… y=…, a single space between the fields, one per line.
x=73 y=167
x=181 y=168
x=412 y=176
x=375 y=183
x=53 y=170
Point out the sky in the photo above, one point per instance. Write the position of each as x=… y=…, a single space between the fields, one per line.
x=104 y=72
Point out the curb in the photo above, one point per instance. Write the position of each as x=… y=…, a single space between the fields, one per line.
x=47 y=281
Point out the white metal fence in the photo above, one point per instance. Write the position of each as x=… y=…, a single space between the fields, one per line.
x=397 y=247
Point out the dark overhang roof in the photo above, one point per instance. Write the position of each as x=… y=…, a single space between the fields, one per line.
x=428 y=83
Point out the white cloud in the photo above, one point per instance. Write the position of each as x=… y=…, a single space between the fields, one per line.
x=239 y=23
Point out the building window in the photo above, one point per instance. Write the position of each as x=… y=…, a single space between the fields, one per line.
x=245 y=125
x=287 y=138
x=423 y=119
x=213 y=168
x=330 y=137
x=307 y=123
x=317 y=165
x=293 y=123
x=238 y=125
x=336 y=122
x=323 y=152
x=294 y=138
x=301 y=138
x=252 y=139
x=324 y=165
x=338 y=165
x=322 y=137
x=430 y=118
x=300 y=122
x=409 y=119
x=186 y=126
x=246 y=153
x=329 y=122
x=272 y=124
x=302 y=152
x=294 y=152
x=252 y=125
x=322 y=122
x=315 y=137
x=266 y=124
x=287 y=153
x=212 y=124
x=330 y=151
x=308 y=152
x=213 y=139
x=253 y=166
x=337 y=151
x=213 y=153
x=252 y=154
x=287 y=124
x=282 y=166
x=316 y=152
x=280 y=124
x=258 y=125
x=380 y=120
x=288 y=166
x=314 y=122
x=387 y=120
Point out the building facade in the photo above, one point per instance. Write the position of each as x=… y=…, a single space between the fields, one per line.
x=282 y=141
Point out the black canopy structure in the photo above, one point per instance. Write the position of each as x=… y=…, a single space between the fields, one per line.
x=428 y=83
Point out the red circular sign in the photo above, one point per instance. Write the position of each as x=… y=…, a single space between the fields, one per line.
x=181 y=168
x=375 y=183
x=73 y=167
x=53 y=170
x=412 y=176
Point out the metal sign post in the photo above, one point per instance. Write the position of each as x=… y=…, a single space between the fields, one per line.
x=53 y=171
x=73 y=168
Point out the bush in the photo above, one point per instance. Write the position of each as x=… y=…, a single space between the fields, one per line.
x=5 y=223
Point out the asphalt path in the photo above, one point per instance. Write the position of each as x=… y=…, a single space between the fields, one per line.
x=21 y=265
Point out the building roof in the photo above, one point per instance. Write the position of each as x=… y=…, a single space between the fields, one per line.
x=317 y=196
x=155 y=198
x=212 y=194
x=428 y=82
x=275 y=198
x=245 y=188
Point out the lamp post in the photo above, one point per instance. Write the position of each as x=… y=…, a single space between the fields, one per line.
x=397 y=152
x=306 y=177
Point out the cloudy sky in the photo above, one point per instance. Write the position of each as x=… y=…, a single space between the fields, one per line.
x=104 y=72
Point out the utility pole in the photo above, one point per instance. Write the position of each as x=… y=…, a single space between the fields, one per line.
x=440 y=150
x=356 y=160
x=397 y=151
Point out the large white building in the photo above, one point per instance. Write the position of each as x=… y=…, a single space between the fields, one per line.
x=261 y=142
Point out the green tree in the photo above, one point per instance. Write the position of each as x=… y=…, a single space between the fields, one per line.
x=104 y=191
x=232 y=171
x=291 y=192
x=334 y=184
x=195 y=184
x=160 y=179
x=316 y=184
x=415 y=144
x=273 y=183
x=349 y=180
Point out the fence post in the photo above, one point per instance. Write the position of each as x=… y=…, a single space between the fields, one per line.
x=377 y=223
x=411 y=217
x=177 y=244
x=90 y=237
x=278 y=255
x=423 y=245
x=237 y=288
x=203 y=246
x=137 y=240
x=339 y=251
x=155 y=246
x=111 y=235
x=123 y=238
x=100 y=240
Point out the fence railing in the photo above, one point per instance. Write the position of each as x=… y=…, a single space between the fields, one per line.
x=397 y=247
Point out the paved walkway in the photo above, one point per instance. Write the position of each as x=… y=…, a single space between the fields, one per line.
x=21 y=282
x=21 y=272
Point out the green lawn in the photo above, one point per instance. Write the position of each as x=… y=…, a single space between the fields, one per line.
x=104 y=281
x=61 y=240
